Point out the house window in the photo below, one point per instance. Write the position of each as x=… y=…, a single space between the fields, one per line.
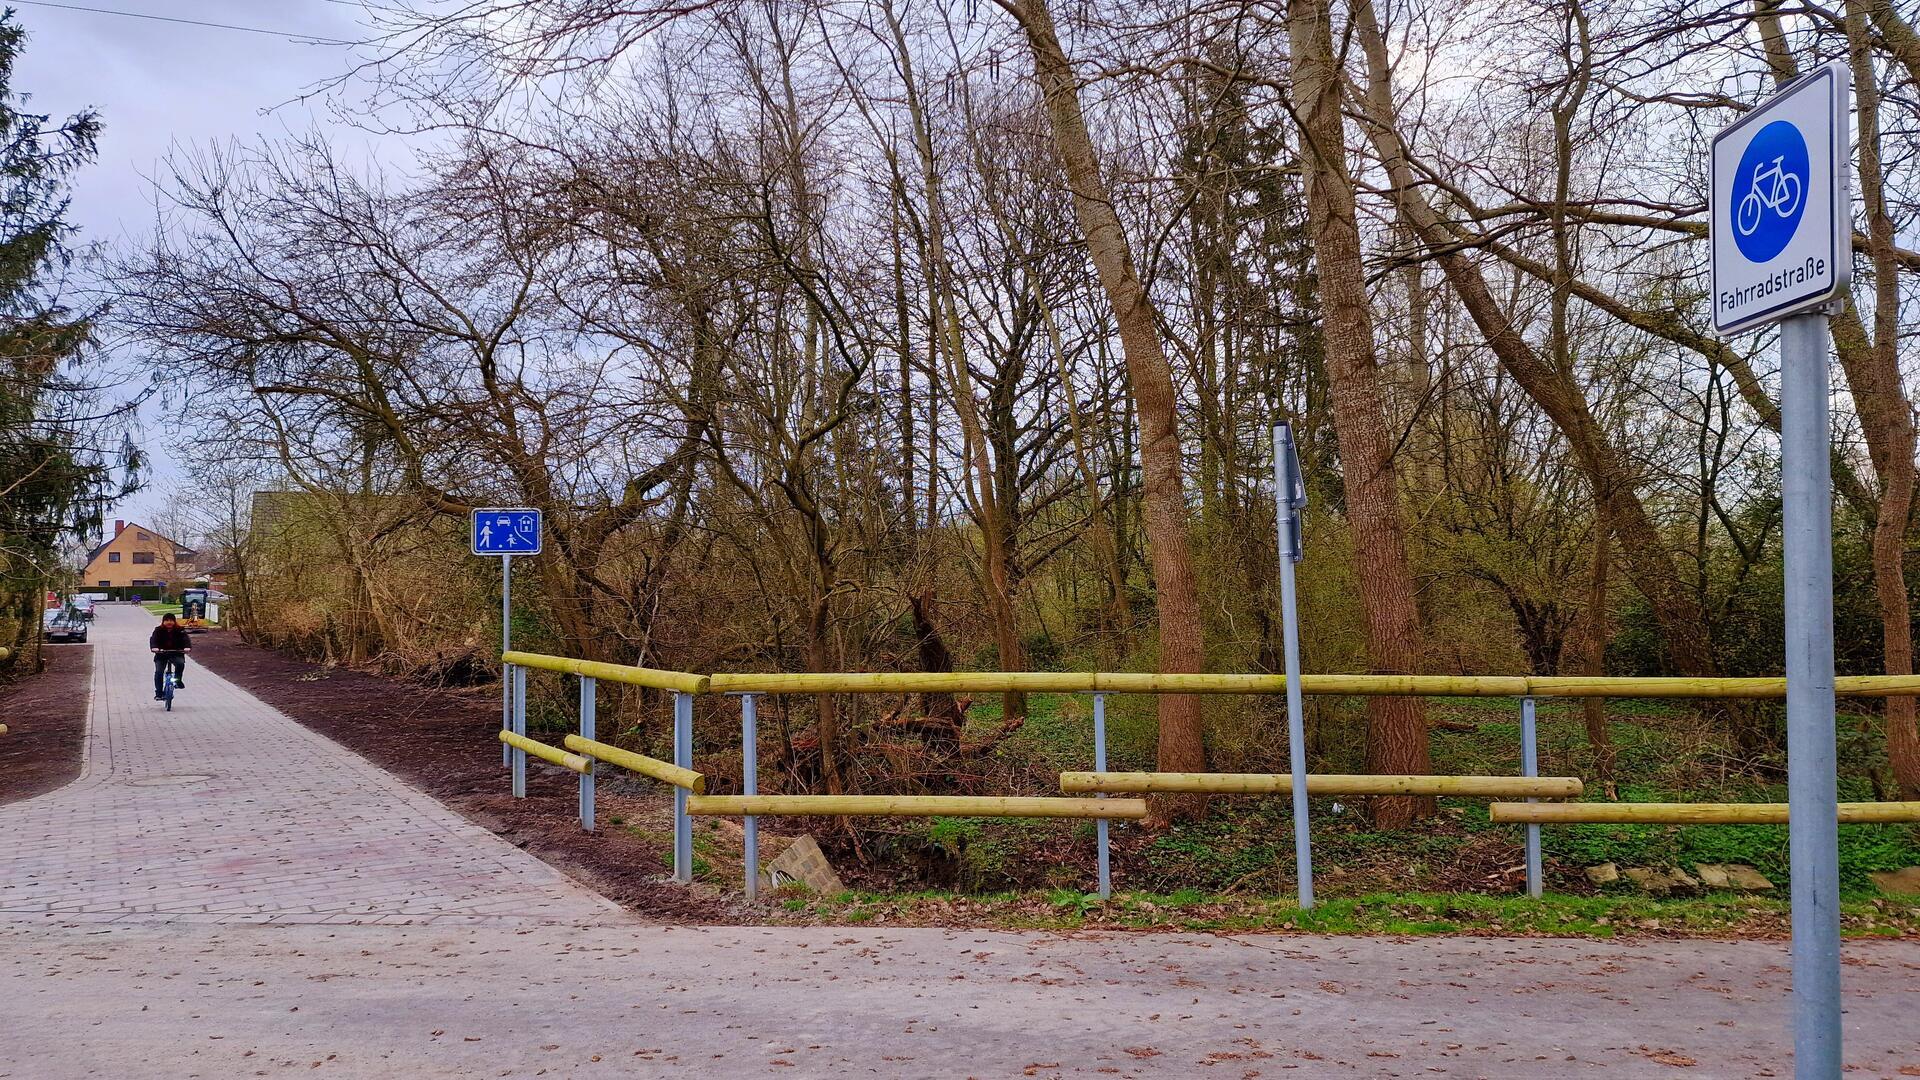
x=113 y=556
x=143 y=557
x=106 y=584
x=142 y=535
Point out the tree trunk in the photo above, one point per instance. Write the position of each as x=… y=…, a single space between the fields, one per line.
x=1163 y=498
x=1886 y=417
x=1648 y=562
x=990 y=509
x=1396 y=726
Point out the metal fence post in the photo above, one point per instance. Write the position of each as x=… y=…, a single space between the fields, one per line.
x=1100 y=765
x=1530 y=766
x=683 y=757
x=750 y=785
x=519 y=728
x=506 y=712
x=587 y=709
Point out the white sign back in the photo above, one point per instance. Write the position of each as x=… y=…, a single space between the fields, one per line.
x=1781 y=213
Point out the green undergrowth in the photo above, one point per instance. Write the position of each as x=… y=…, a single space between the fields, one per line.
x=1244 y=845
x=1394 y=913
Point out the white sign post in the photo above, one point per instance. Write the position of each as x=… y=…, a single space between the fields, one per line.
x=506 y=532
x=1782 y=230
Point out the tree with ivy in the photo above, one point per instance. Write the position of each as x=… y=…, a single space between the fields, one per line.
x=64 y=453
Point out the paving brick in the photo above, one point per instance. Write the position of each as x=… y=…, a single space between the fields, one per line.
x=225 y=809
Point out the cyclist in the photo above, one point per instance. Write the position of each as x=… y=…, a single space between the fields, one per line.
x=170 y=645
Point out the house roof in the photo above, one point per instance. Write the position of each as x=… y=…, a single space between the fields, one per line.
x=179 y=550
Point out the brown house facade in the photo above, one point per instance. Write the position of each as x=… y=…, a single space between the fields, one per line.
x=136 y=556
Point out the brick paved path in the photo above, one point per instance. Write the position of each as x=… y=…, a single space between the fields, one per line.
x=224 y=810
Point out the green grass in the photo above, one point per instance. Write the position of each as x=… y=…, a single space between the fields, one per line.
x=161 y=609
x=1398 y=913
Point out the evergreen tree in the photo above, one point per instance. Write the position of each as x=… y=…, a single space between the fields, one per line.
x=56 y=476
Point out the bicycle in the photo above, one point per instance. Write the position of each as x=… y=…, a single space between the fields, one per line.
x=1782 y=197
x=166 y=688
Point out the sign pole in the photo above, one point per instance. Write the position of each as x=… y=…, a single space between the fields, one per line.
x=506 y=531
x=1813 y=833
x=1781 y=222
x=1289 y=494
x=506 y=672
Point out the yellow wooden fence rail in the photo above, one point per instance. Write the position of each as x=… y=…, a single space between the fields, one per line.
x=620 y=673
x=1501 y=787
x=1126 y=682
x=1687 y=813
x=546 y=753
x=914 y=806
x=664 y=771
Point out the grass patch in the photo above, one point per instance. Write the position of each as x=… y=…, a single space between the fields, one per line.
x=1391 y=913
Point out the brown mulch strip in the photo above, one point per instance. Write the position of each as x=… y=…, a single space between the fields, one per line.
x=46 y=718
x=445 y=742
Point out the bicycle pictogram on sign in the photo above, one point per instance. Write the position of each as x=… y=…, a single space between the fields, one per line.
x=1781 y=190
x=1770 y=191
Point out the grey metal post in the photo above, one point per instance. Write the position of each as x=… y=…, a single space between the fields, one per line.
x=588 y=707
x=519 y=728
x=1813 y=832
x=683 y=757
x=1530 y=766
x=1290 y=640
x=506 y=643
x=1100 y=765
x=750 y=785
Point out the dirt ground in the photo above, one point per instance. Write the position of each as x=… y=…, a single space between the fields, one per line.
x=46 y=718
x=444 y=742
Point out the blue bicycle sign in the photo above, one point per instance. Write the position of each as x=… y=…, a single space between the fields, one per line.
x=1769 y=189
x=1779 y=212
x=511 y=530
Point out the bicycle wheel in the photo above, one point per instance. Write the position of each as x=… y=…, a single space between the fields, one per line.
x=1789 y=200
x=1747 y=214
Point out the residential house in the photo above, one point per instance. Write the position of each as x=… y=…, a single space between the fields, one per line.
x=136 y=560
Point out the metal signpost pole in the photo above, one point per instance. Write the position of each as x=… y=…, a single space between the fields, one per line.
x=1781 y=221
x=506 y=532
x=1289 y=495
x=506 y=645
x=1813 y=832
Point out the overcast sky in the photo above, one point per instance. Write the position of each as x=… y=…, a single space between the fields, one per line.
x=157 y=84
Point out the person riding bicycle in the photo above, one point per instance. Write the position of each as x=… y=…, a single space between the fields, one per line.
x=170 y=645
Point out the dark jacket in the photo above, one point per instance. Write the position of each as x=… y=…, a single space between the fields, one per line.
x=170 y=638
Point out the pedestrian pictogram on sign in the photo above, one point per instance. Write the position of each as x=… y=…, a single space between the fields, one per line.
x=506 y=531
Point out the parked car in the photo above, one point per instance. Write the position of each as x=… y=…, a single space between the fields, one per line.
x=82 y=606
x=65 y=626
